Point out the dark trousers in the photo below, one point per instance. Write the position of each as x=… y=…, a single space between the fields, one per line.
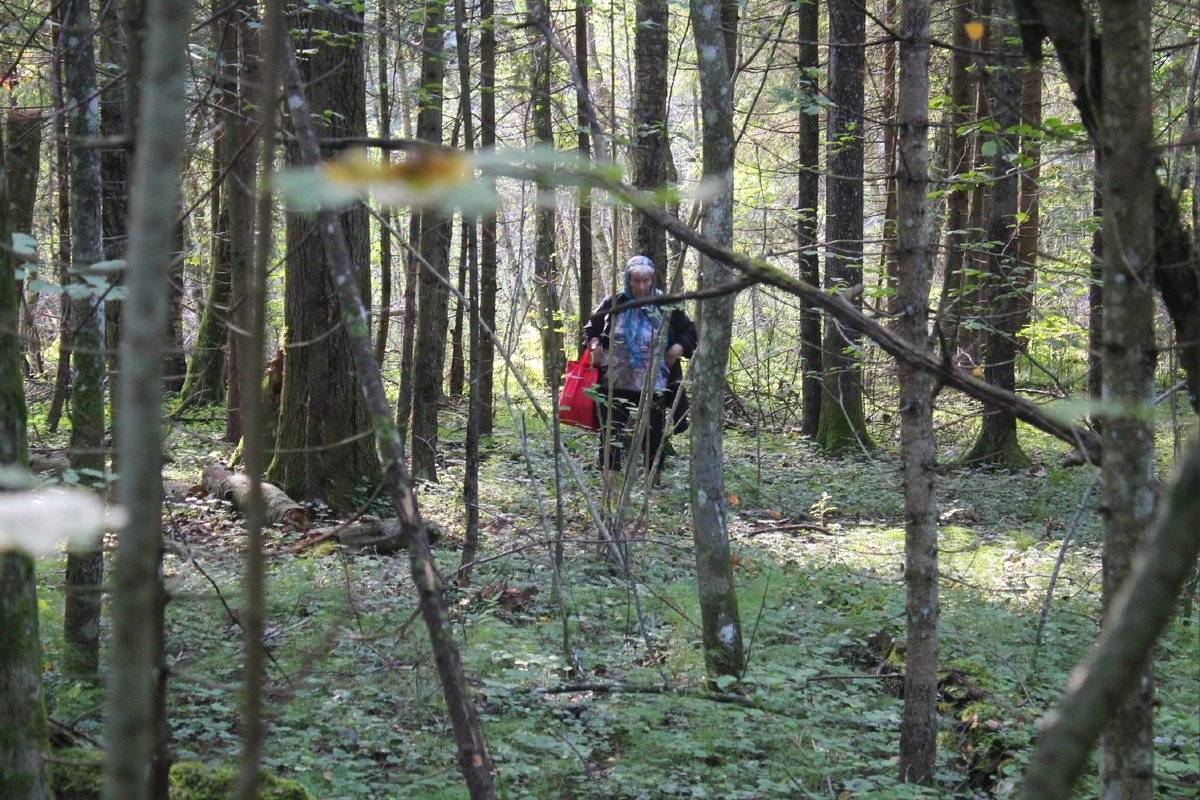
x=616 y=442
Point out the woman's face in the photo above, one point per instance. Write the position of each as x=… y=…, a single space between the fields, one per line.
x=640 y=283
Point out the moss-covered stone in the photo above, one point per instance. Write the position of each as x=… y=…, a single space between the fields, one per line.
x=76 y=775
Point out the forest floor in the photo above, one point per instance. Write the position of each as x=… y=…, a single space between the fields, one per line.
x=354 y=704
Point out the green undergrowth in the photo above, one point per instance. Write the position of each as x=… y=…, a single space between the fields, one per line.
x=620 y=709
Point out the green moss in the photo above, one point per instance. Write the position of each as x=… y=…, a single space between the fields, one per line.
x=76 y=775
x=191 y=780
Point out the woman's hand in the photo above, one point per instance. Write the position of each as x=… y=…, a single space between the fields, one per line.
x=674 y=352
x=593 y=343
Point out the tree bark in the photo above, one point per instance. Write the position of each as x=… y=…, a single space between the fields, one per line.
x=586 y=265
x=1095 y=362
x=842 y=425
x=487 y=228
x=136 y=573
x=62 y=372
x=950 y=307
x=85 y=570
x=22 y=769
x=647 y=150
x=1006 y=279
x=323 y=448
x=114 y=178
x=472 y=751
x=24 y=134
x=1127 y=174
x=720 y=624
x=808 y=224
x=914 y=261
x=429 y=355
x=384 y=317
x=1029 y=225
x=545 y=260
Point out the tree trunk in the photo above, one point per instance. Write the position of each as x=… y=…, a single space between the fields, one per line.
x=22 y=747
x=236 y=117
x=1095 y=356
x=914 y=256
x=950 y=307
x=471 y=469
x=404 y=402
x=586 y=266
x=1127 y=174
x=808 y=225
x=720 y=624
x=487 y=229
x=322 y=447
x=84 y=569
x=205 y=379
x=429 y=356
x=62 y=372
x=1006 y=278
x=24 y=129
x=114 y=178
x=384 y=318
x=545 y=260
x=1029 y=226
x=650 y=50
x=473 y=758
x=842 y=425
x=889 y=266
x=458 y=366
x=136 y=578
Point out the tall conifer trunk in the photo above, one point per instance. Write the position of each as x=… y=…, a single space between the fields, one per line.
x=85 y=570
x=808 y=223
x=650 y=50
x=429 y=354
x=323 y=449
x=842 y=425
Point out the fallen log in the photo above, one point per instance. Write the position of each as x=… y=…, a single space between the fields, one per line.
x=280 y=509
x=367 y=534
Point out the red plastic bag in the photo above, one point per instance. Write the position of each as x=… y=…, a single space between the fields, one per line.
x=575 y=405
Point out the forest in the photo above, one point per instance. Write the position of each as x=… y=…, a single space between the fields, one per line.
x=631 y=399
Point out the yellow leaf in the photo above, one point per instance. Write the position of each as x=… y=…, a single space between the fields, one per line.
x=974 y=30
x=733 y=500
x=977 y=372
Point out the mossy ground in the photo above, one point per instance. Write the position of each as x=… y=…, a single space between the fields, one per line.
x=353 y=698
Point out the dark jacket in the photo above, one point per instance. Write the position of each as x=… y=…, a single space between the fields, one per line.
x=680 y=331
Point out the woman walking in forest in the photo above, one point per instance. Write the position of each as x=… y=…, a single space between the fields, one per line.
x=623 y=346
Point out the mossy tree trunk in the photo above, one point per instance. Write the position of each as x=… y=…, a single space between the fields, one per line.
x=134 y=678
x=429 y=354
x=914 y=261
x=842 y=424
x=1007 y=279
x=23 y=730
x=323 y=445
x=721 y=626
x=808 y=223
x=85 y=570
x=1129 y=486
